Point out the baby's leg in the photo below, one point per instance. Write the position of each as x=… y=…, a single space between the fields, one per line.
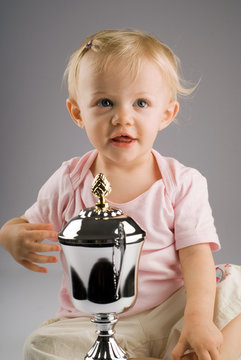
x=231 y=349
x=60 y=339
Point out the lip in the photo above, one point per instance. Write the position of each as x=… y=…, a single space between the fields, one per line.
x=124 y=140
x=124 y=135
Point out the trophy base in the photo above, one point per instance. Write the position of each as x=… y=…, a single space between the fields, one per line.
x=105 y=346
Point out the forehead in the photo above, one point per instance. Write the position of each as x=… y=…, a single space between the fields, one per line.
x=96 y=73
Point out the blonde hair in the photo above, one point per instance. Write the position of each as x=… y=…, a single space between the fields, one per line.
x=129 y=47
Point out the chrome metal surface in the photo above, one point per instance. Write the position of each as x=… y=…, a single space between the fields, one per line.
x=103 y=279
x=105 y=347
x=102 y=248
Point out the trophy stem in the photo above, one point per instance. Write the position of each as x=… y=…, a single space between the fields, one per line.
x=105 y=346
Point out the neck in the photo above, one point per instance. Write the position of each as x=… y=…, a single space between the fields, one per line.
x=130 y=180
x=109 y=167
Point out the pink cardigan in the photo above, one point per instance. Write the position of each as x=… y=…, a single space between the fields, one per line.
x=174 y=213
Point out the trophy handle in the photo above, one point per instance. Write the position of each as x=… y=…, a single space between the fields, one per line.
x=117 y=257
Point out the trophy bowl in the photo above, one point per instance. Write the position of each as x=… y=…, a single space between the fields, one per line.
x=102 y=249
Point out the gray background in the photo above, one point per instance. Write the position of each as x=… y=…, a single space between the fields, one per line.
x=37 y=38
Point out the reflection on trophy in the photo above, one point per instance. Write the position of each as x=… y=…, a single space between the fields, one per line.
x=102 y=248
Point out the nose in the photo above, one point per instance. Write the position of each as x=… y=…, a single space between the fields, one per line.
x=122 y=116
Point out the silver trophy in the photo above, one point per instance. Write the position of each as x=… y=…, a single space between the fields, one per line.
x=102 y=248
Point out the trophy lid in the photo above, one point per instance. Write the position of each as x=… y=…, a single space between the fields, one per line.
x=99 y=226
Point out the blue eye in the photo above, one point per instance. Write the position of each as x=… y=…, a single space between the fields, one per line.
x=104 y=103
x=141 y=103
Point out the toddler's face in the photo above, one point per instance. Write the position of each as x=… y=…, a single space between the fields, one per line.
x=121 y=114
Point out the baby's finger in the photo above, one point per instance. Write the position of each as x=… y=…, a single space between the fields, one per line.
x=33 y=267
x=215 y=354
x=203 y=355
x=43 y=247
x=179 y=351
x=39 y=226
x=42 y=259
x=40 y=235
x=189 y=355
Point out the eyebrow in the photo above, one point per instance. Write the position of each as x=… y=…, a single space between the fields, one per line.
x=98 y=93
x=139 y=94
x=143 y=94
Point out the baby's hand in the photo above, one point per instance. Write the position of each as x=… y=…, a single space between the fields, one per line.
x=24 y=241
x=203 y=337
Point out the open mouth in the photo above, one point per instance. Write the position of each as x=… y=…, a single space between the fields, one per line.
x=123 y=139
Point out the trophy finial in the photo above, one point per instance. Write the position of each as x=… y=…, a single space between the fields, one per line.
x=101 y=188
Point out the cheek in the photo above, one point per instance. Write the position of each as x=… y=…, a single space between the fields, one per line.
x=96 y=127
x=94 y=133
x=150 y=130
x=153 y=135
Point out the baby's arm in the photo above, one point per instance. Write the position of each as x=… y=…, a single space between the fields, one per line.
x=24 y=240
x=199 y=331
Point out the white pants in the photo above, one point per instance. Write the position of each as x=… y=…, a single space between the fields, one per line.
x=152 y=333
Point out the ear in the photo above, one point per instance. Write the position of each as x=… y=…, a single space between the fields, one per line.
x=169 y=114
x=74 y=112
